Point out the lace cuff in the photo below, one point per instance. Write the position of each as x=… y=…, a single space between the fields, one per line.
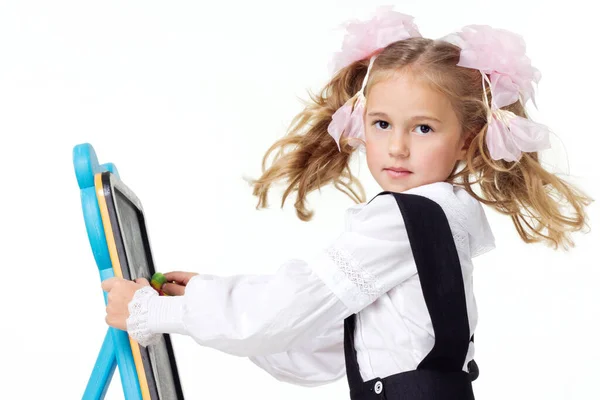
x=137 y=323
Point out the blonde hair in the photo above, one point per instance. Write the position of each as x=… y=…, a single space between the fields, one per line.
x=532 y=196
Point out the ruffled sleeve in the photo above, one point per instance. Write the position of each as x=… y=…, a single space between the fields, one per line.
x=250 y=315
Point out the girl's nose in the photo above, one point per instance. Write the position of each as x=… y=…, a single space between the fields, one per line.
x=399 y=145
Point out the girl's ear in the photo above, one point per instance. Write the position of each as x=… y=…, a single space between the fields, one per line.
x=465 y=143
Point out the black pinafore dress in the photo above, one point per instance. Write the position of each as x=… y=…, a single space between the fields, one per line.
x=439 y=376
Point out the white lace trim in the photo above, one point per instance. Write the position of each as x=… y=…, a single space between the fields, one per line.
x=365 y=283
x=469 y=232
x=457 y=220
x=137 y=323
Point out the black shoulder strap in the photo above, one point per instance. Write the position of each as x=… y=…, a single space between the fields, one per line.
x=441 y=280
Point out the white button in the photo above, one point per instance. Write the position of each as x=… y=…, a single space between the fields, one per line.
x=378 y=387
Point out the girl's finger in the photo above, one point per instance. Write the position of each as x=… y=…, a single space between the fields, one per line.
x=109 y=283
x=173 y=289
x=142 y=281
x=179 y=276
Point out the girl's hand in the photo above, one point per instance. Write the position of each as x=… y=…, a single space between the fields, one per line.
x=176 y=282
x=120 y=292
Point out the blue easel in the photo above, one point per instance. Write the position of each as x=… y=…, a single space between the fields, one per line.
x=116 y=348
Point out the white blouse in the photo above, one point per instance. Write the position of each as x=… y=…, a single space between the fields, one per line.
x=291 y=323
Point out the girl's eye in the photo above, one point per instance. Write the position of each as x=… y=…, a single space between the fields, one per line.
x=424 y=131
x=384 y=126
x=421 y=129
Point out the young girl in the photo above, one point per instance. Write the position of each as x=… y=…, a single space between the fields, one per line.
x=390 y=302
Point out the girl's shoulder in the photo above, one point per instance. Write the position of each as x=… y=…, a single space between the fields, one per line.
x=380 y=216
x=438 y=192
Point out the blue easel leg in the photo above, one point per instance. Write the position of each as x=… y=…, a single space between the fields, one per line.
x=103 y=371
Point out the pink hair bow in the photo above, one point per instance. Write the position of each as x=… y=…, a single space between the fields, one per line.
x=508 y=135
x=501 y=54
x=363 y=40
x=348 y=121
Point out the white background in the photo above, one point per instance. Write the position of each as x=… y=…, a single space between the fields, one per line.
x=185 y=97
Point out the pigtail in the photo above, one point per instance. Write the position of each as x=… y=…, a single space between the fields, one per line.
x=542 y=206
x=307 y=157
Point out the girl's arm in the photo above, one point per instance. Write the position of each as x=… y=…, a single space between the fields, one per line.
x=317 y=360
x=266 y=315
x=249 y=315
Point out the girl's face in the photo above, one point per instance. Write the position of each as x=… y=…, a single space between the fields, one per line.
x=410 y=126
